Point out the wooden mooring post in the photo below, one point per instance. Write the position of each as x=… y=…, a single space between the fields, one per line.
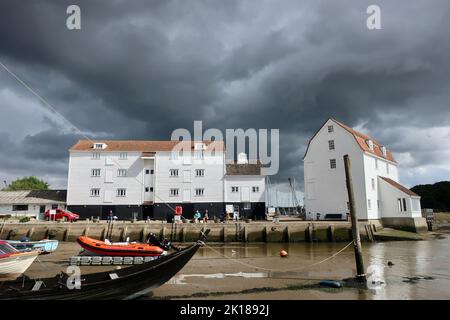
x=360 y=273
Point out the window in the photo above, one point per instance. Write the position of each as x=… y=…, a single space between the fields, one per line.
x=54 y=206
x=330 y=144
x=373 y=184
x=95 y=173
x=198 y=155
x=376 y=164
x=255 y=189
x=96 y=155
x=234 y=189
x=98 y=145
x=151 y=189
x=400 y=206
x=404 y=205
x=121 y=192
x=199 y=192
x=369 y=204
x=330 y=129
x=175 y=155
x=173 y=172
x=123 y=156
x=121 y=172
x=370 y=144
x=173 y=192
x=333 y=163
x=20 y=207
x=152 y=171
x=147 y=189
x=147 y=171
x=199 y=172
x=247 y=205
x=95 y=192
x=378 y=204
x=387 y=168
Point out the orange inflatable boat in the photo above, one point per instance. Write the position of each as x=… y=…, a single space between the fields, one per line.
x=122 y=249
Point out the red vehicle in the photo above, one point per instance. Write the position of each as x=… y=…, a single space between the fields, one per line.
x=61 y=214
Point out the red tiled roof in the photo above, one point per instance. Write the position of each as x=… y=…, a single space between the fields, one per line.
x=361 y=139
x=142 y=145
x=400 y=187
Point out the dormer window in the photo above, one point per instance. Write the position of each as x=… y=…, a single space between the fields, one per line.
x=99 y=146
x=383 y=151
x=199 y=146
x=370 y=144
x=330 y=129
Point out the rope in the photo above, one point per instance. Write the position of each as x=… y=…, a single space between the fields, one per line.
x=280 y=270
x=267 y=269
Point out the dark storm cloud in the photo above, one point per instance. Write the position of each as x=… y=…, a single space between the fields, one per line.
x=139 y=69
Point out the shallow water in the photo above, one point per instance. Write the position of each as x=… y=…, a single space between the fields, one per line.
x=421 y=269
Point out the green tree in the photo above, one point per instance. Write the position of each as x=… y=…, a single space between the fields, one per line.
x=435 y=196
x=27 y=183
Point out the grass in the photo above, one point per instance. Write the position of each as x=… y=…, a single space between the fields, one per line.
x=443 y=217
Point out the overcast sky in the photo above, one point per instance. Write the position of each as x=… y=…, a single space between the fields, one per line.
x=140 y=69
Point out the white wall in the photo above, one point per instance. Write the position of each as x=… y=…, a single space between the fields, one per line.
x=325 y=188
x=371 y=172
x=211 y=182
x=80 y=181
x=389 y=202
x=244 y=182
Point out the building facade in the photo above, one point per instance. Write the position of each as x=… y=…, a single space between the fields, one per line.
x=31 y=203
x=378 y=195
x=148 y=179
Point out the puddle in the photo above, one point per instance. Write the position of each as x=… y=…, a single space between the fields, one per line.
x=180 y=278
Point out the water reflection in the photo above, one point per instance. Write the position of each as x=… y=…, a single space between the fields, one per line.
x=420 y=270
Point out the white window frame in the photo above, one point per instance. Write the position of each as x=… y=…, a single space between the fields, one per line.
x=387 y=167
x=95 y=192
x=121 y=192
x=376 y=163
x=174 y=192
x=95 y=156
x=255 y=189
x=174 y=172
x=200 y=172
x=123 y=155
x=333 y=164
x=98 y=145
x=199 y=192
x=373 y=184
x=369 y=204
x=330 y=128
x=121 y=172
x=95 y=171
x=331 y=145
x=234 y=189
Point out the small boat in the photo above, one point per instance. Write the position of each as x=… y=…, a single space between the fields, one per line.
x=13 y=262
x=126 y=283
x=122 y=249
x=45 y=246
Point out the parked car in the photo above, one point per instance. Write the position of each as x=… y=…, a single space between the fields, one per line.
x=62 y=214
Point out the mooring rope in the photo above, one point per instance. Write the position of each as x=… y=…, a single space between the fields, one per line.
x=267 y=269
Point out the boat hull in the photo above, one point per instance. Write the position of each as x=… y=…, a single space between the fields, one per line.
x=126 y=283
x=16 y=264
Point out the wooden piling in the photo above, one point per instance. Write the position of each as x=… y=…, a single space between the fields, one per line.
x=355 y=228
x=66 y=234
x=30 y=233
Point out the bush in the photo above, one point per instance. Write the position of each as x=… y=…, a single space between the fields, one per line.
x=24 y=219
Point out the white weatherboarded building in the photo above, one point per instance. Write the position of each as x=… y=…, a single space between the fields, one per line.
x=378 y=195
x=147 y=179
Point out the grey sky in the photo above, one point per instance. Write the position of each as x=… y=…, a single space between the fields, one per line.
x=140 y=69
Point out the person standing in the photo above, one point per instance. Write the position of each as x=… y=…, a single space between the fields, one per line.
x=206 y=216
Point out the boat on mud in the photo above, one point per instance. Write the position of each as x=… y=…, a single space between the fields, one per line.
x=13 y=262
x=44 y=246
x=126 y=283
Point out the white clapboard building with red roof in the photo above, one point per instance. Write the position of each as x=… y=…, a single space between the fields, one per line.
x=378 y=194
